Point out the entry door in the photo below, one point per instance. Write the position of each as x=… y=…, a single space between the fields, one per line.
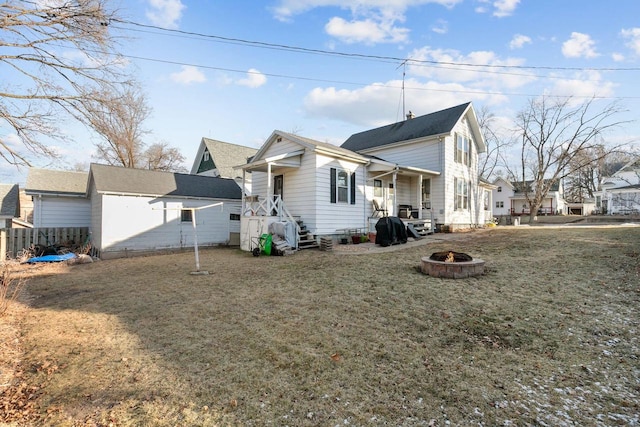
x=278 y=188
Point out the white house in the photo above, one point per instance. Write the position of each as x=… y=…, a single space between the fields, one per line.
x=135 y=210
x=620 y=193
x=421 y=169
x=59 y=198
x=509 y=198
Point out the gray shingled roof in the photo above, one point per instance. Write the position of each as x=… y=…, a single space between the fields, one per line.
x=113 y=179
x=319 y=144
x=225 y=156
x=438 y=123
x=9 y=200
x=45 y=181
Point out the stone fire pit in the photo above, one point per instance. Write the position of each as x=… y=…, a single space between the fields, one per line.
x=451 y=265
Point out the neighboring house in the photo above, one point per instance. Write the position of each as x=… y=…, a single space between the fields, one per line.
x=218 y=158
x=9 y=204
x=502 y=195
x=26 y=207
x=424 y=168
x=486 y=199
x=142 y=210
x=620 y=193
x=509 y=198
x=59 y=198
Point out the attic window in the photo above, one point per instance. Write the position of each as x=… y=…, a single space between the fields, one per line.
x=499 y=189
x=205 y=156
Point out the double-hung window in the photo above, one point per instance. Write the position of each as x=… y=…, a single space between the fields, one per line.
x=343 y=186
x=462 y=151
x=461 y=195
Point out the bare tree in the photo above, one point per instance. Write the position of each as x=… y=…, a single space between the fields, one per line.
x=488 y=161
x=553 y=134
x=587 y=170
x=119 y=118
x=161 y=157
x=54 y=56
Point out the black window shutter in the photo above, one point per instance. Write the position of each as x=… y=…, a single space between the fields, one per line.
x=333 y=184
x=353 y=188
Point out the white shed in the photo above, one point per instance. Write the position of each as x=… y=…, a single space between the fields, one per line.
x=135 y=210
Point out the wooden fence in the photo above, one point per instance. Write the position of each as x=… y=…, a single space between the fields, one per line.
x=14 y=240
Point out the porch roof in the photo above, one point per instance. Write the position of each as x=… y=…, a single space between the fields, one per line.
x=291 y=159
x=379 y=165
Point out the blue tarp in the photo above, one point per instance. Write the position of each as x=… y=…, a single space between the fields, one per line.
x=52 y=258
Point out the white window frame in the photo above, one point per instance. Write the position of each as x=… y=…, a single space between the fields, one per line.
x=461 y=194
x=342 y=189
x=462 y=149
x=377 y=188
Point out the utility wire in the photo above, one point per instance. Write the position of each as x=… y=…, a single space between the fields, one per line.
x=350 y=83
x=365 y=56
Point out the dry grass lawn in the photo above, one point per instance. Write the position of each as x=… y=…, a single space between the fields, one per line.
x=548 y=336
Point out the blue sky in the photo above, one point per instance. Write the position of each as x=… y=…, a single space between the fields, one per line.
x=202 y=80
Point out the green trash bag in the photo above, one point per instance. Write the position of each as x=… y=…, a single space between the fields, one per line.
x=265 y=243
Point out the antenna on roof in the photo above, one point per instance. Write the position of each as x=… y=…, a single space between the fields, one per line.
x=404 y=72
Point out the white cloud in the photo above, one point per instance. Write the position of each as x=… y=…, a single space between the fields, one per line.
x=377 y=104
x=366 y=31
x=286 y=9
x=188 y=75
x=504 y=7
x=582 y=85
x=371 y=21
x=632 y=35
x=165 y=13
x=476 y=73
x=254 y=79
x=618 y=57
x=501 y=8
x=518 y=41
x=580 y=45
x=440 y=27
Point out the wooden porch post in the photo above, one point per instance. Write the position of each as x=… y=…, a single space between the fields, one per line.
x=244 y=201
x=395 y=192
x=269 y=183
x=420 y=196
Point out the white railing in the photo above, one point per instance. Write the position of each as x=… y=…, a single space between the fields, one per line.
x=267 y=206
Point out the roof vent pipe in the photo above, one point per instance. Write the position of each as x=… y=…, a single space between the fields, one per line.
x=410 y=115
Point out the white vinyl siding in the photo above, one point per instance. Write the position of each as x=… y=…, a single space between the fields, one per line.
x=61 y=211
x=332 y=216
x=150 y=223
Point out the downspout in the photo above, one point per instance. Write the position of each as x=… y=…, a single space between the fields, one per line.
x=39 y=222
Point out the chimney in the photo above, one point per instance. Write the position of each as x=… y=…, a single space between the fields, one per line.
x=410 y=115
